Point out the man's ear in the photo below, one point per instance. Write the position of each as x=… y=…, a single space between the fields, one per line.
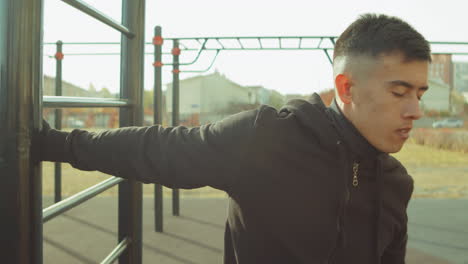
x=343 y=85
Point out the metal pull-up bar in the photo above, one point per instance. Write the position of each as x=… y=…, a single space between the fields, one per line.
x=91 y=11
x=79 y=198
x=69 y=101
x=20 y=116
x=118 y=250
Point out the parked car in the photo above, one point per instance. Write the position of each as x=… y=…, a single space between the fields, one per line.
x=448 y=122
x=75 y=123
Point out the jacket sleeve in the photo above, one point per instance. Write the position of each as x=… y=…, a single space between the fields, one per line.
x=177 y=157
x=395 y=253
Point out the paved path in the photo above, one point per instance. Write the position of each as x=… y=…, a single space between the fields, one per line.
x=440 y=226
x=88 y=233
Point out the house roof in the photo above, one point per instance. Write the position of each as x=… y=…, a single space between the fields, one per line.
x=216 y=73
x=438 y=81
x=69 y=89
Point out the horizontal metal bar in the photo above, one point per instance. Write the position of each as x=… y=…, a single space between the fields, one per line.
x=89 y=54
x=216 y=49
x=68 y=101
x=98 y=54
x=207 y=69
x=87 y=9
x=200 y=50
x=77 y=199
x=450 y=53
x=213 y=49
x=265 y=37
x=86 y=43
x=331 y=38
x=260 y=49
x=115 y=254
x=448 y=43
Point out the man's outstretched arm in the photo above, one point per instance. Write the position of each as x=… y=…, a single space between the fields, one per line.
x=180 y=157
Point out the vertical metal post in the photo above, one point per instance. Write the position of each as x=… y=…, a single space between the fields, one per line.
x=20 y=108
x=451 y=85
x=58 y=118
x=131 y=87
x=175 y=111
x=157 y=93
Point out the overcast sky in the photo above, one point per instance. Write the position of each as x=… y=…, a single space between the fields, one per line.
x=286 y=71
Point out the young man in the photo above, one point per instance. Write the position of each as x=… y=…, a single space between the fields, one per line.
x=307 y=183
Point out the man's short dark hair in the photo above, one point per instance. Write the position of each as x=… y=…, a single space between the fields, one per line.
x=374 y=35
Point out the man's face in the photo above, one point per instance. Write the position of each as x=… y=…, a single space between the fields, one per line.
x=385 y=100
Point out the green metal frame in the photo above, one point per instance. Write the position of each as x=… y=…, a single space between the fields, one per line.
x=20 y=117
x=196 y=46
x=218 y=44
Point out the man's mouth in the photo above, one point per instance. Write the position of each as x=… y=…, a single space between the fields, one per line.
x=404 y=132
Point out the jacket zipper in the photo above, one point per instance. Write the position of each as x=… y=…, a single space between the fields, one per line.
x=355 y=174
x=355 y=183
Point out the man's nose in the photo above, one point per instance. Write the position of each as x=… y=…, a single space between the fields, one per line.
x=413 y=110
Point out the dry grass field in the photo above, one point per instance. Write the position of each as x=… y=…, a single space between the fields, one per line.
x=437 y=173
x=74 y=181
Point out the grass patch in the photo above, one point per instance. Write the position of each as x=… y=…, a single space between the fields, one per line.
x=414 y=155
x=437 y=173
x=74 y=181
x=455 y=139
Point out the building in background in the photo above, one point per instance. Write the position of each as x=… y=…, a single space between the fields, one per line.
x=460 y=76
x=438 y=97
x=260 y=95
x=80 y=117
x=269 y=97
x=208 y=98
x=68 y=89
x=442 y=68
x=289 y=97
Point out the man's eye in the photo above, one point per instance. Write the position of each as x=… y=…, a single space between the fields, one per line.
x=397 y=94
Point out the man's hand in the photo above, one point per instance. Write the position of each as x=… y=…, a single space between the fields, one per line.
x=38 y=141
x=49 y=144
x=45 y=128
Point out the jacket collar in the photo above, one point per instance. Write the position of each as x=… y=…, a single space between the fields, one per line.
x=358 y=145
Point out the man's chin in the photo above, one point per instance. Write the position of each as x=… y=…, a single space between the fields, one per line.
x=390 y=148
x=394 y=148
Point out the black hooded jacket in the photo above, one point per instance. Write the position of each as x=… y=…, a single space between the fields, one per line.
x=304 y=185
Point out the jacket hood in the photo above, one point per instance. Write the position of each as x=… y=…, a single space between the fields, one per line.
x=312 y=114
x=330 y=121
x=357 y=143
